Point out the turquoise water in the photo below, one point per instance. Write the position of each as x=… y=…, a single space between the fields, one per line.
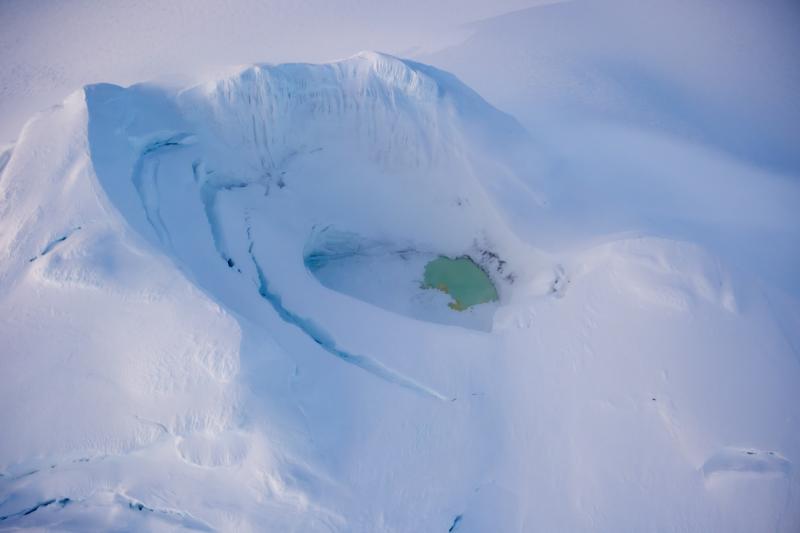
x=462 y=279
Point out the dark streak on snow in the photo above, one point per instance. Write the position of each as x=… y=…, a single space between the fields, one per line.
x=138 y=506
x=25 y=474
x=5 y=157
x=560 y=282
x=52 y=244
x=178 y=139
x=182 y=518
x=63 y=502
x=208 y=196
x=456 y=521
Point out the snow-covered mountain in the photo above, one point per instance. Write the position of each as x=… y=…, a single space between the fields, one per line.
x=213 y=319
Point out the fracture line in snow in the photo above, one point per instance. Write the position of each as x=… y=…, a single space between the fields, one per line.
x=52 y=244
x=180 y=518
x=208 y=196
x=208 y=193
x=147 y=189
x=326 y=342
x=174 y=516
x=63 y=502
x=456 y=522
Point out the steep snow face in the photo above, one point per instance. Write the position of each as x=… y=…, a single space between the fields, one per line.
x=189 y=346
x=393 y=125
x=373 y=103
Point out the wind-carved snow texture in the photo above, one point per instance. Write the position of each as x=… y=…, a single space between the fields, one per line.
x=746 y=461
x=754 y=463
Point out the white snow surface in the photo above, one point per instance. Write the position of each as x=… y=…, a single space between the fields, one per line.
x=174 y=357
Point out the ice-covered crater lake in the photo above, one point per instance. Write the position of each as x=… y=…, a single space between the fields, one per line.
x=401 y=279
x=461 y=278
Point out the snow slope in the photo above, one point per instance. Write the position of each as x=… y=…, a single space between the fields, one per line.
x=712 y=72
x=49 y=48
x=171 y=361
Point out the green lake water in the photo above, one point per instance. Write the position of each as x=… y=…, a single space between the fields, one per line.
x=462 y=279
